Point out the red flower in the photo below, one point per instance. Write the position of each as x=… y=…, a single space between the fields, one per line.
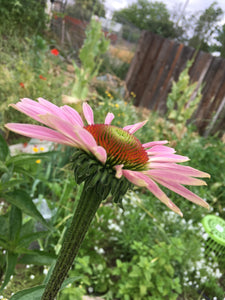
x=22 y=85
x=42 y=77
x=55 y=52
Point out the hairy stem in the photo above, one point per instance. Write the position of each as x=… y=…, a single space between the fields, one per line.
x=83 y=215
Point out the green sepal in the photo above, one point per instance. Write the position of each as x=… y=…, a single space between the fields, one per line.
x=98 y=176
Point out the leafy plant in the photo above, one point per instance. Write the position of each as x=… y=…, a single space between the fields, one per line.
x=17 y=235
x=94 y=46
x=150 y=274
x=183 y=99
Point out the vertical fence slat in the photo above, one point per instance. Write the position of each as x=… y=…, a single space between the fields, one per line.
x=212 y=82
x=138 y=59
x=162 y=61
x=144 y=73
x=157 y=71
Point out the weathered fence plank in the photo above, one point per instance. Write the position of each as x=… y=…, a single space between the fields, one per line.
x=159 y=61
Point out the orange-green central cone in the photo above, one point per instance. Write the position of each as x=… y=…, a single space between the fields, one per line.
x=121 y=146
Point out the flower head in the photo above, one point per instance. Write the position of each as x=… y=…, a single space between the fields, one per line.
x=144 y=165
x=55 y=52
x=22 y=85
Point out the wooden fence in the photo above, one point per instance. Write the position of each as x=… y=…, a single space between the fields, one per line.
x=158 y=61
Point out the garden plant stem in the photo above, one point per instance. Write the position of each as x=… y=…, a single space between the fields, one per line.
x=87 y=206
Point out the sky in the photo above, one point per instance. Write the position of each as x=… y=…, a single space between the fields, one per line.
x=192 y=5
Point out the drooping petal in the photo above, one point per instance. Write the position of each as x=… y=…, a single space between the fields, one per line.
x=100 y=153
x=184 y=192
x=89 y=144
x=53 y=109
x=61 y=126
x=34 y=109
x=174 y=177
x=72 y=115
x=142 y=180
x=109 y=118
x=29 y=110
x=151 y=144
x=88 y=113
x=160 y=150
x=158 y=193
x=133 y=128
x=168 y=158
x=119 y=171
x=179 y=169
x=136 y=177
x=40 y=132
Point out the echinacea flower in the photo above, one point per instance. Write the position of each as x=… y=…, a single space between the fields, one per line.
x=144 y=165
x=55 y=52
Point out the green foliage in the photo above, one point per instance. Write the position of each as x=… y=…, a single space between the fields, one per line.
x=90 y=54
x=22 y=16
x=31 y=72
x=220 y=38
x=150 y=274
x=85 y=9
x=205 y=27
x=183 y=99
x=152 y=16
x=113 y=65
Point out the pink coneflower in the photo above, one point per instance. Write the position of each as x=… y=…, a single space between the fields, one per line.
x=144 y=165
x=55 y=52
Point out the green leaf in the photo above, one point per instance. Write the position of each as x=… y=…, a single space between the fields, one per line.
x=4 y=152
x=37 y=257
x=11 y=260
x=15 y=223
x=4 y=224
x=23 y=201
x=36 y=292
x=22 y=159
x=29 y=238
x=33 y=293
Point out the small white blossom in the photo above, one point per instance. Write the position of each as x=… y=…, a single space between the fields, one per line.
x=90 y=289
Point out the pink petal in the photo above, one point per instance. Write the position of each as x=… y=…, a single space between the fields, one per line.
x=89 y=144
x=140 y=179
x=29 y=110
x=160 y=149
x=33 y=109
x=73 y=115
x=151 y=144
x=168 y=158
x=169 y=176
x=133 y=128
x=62 y=126
x=179 y=169
x=100 y=153
x=88 y=113
x=136 y=177
x=53 y=109
x=109 y=118
x=184 y=192
x=158 y=193
x=40 y=132
x=119 y=171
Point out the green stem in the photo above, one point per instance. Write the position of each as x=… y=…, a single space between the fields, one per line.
x=84 y=213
